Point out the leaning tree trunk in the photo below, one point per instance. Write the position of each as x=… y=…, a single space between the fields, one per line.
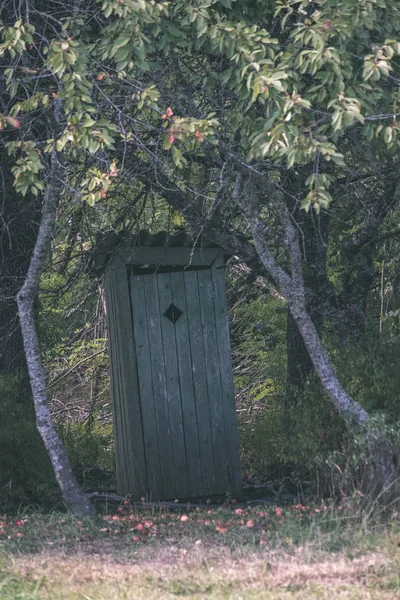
x=293 y=289
x=300 y=366
x=349 y=408
x=72 y=494
x=313 y=247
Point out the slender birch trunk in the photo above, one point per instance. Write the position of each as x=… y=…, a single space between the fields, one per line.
x=351 y=410
x=72 y=494
x=292 y=288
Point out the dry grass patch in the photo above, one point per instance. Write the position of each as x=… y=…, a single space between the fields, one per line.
x=225 y=553
x=201 y=573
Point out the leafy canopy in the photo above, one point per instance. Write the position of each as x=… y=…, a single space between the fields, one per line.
x=297 y=76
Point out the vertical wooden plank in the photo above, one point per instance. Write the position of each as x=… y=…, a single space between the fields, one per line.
x=159 y=386
x=200 y=382
x=125 y=486
x=125 y=447
x=226 y=377
x=207 y=294
x=184 y=360
x=121 y=440
x=131 y=419
x=112 y=332
x=174 y=401
x=148 y=409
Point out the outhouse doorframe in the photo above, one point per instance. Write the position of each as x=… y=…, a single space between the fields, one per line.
x=131 y=463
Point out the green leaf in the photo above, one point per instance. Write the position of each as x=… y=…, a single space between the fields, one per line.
x=388 y=135
x=174 y=30
x=88 y=122
x=177 y=157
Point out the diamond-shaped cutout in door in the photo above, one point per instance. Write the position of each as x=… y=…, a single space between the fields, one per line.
x=173 y=313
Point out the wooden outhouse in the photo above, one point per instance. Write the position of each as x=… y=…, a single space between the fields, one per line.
x=171 y=374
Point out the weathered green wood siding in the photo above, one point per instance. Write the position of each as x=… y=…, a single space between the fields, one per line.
x=226 y=378
x=186 y=380
x=129 y=443
x=174 y=396
x=207 y=299
x=159 y=385
x=174 y=414
x=145 y=397
x=200 y=387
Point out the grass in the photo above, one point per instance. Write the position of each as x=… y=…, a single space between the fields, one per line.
x=230 y=552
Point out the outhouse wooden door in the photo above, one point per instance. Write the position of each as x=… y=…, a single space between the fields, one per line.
x=174 y=409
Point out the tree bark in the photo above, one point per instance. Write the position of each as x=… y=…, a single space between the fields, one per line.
x=351 y=410
x=293 y=289
x=72 y=494
x=314 y=237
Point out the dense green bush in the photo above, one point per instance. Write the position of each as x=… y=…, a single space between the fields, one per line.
x=356 y=472
x=258 y=336
x=274 y=452
x=26 y=475
x=315 y=453
x=90 y=449
x=290 y=458
x=370 y=371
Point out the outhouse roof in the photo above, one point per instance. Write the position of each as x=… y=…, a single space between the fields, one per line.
x=112 y=242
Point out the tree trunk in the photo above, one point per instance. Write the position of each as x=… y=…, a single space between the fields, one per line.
x=313 y=247
x=72 y=494
x=293 y=289
x=349 y=408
